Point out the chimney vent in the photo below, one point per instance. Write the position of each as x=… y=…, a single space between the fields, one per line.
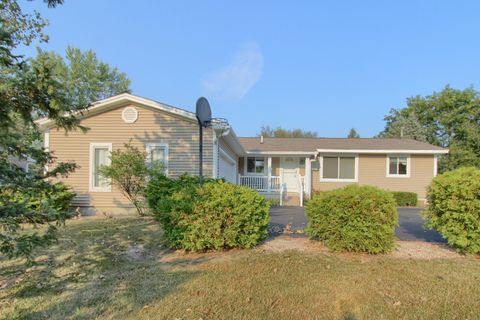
x=261 y=139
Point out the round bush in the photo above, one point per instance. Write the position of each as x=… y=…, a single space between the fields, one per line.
x=216 y=215
x=454 y=208
x=354 y=218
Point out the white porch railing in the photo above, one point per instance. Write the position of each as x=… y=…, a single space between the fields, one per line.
x=272 y=184
x=301 y=187
x=261 y=183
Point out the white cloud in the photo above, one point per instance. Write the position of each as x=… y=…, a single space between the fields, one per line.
x=233 y=81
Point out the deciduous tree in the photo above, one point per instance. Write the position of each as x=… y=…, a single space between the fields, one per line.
x=449 y=118
x=280 y=132
x=128 y=170
x=84 y=77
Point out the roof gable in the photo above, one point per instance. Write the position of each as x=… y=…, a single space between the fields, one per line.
x=121 y=99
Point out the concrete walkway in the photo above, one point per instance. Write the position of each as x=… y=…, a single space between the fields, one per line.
x=410 y=223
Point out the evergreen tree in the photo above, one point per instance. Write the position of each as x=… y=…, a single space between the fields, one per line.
x=353 y=134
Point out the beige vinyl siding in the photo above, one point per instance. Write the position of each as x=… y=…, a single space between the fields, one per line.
x=372 y=170
x=301 y=169
x=180 y=134
x=275 y=166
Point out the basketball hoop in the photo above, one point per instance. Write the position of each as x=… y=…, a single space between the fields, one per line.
x=220 y=124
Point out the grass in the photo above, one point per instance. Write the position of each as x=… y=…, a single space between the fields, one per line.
x=93 y=272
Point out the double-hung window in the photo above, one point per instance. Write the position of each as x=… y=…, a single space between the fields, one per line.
x=99 y=156
x=339 y=168
x=157 y=154
x=398 y=166
x=256 y=165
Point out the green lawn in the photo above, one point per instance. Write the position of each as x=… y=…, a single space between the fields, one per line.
x=93 y=272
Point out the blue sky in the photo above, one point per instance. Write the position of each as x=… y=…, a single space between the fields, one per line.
x=324 y=66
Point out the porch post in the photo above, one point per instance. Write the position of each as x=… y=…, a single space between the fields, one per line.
x=308 y=176
x=269 y=173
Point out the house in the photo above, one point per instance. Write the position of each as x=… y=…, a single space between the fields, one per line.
x=287 y=169
x=302 y=166
x=166 y=133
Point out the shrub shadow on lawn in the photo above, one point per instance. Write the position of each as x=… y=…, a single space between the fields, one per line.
x=92 y=276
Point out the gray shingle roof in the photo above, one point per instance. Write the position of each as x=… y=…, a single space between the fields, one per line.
x=252 y=144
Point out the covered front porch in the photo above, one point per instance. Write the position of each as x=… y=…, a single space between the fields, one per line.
x=277 y=176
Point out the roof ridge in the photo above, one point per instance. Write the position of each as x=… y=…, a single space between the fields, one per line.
x=319 y=138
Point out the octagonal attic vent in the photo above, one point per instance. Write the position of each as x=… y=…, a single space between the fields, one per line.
x=129 y=115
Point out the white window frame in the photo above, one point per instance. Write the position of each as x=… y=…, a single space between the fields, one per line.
x=150 y=145
x=245 y=167
x=322 y=179
x=93 y=146
x=389 y=175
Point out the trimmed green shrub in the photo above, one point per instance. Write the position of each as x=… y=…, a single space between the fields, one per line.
x=215 y=215
x=454 y=208
x=405 y=199
x=354 y=218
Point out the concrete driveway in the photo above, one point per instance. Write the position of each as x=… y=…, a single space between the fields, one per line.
x=410 y=226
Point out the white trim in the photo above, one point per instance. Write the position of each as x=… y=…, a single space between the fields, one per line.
x=93 y=146
x=216 y=155
x=269 y=171
x=322 y=179
x=245 y=167
x=127 y=109
x=308 y=176
x=280 y=153
x=46 y=140
x=435 y=165
x=406 y=151
x=389 y=175
x=341 y=151
x=46 y=145
x=149 y=145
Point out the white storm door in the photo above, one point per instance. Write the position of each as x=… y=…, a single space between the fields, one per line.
x=290 y=172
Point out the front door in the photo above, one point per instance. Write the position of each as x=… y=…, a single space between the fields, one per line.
x=290 y=173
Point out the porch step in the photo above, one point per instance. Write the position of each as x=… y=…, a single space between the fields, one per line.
x=291 y=199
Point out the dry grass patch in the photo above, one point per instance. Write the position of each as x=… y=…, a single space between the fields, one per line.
x=120 y=269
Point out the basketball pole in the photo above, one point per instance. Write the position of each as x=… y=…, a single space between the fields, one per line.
x=200 y=146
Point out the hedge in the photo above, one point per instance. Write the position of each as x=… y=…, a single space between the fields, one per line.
x=354 y=218
x=405 y=199
x=454 y=208
x=215 y=215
